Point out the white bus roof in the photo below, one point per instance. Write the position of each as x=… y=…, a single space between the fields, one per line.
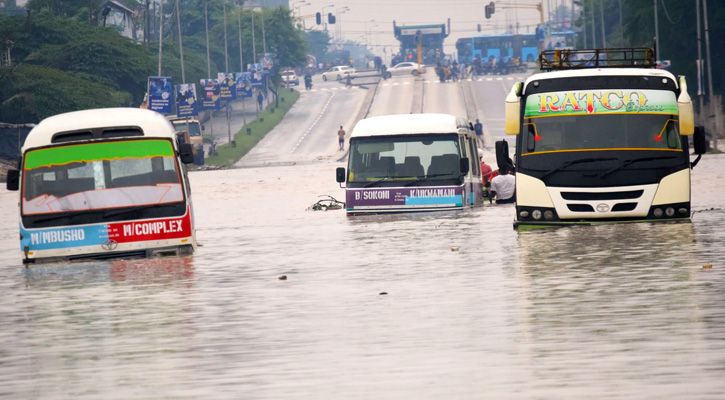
x=661 y=73
x=150 y=122
x=409 y=124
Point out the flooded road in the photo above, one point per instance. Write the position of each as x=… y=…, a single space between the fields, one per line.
x=428 y=306
x=473 y=309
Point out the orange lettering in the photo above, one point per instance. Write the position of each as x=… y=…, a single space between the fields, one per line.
x=548 y=102
x=570 y=100
x=606 y=103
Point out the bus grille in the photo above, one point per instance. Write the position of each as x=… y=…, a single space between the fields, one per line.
x=598 y=196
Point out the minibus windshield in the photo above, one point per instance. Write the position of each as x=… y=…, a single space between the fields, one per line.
x=404 y=158
x=600 y=120
x=103 y=175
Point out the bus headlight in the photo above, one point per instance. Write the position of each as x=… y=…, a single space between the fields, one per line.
x=657 y=212
x=524 y=214
x=683 y=210
x=548 y=215
x=670 y=211
x=536 y=214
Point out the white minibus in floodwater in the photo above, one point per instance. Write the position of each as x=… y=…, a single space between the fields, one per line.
x=412 y=163
x=101 y=184
x=601 y=137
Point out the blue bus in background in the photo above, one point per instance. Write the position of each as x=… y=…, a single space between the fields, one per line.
x=526 y=46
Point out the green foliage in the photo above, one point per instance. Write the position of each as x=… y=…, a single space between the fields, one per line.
x=61 y=39
x=228 y=155
x=677 y=31
x=31 y=93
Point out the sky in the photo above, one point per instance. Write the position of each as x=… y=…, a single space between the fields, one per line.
x=465 y=15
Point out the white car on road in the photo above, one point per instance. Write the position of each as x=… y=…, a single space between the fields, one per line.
x=290 y=77
x=406 y=68
x=338 y=73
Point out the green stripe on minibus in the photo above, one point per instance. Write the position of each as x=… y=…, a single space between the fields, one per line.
x=97 y=151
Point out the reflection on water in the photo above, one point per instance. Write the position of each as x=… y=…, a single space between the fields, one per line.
x=472 y=309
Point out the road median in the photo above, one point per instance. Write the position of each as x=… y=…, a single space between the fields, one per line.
x=250 y=134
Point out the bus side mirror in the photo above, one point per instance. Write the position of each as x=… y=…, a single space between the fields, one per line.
x=512 y=110
x=464 y=166
x=503 y=160
x=698 y=139
x=686 y=115
x=340 y=174
x=186 y=152
x=13 y=180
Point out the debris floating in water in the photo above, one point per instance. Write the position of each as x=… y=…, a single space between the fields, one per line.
x=328 y=203
x=707 y=266
x=455 y=248
x=283 y=278
x=383 y=293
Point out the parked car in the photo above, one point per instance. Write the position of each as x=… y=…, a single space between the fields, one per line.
x=290 y=77
x=406 y=68
x=338 y=72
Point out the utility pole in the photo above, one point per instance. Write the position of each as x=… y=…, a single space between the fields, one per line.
x=699 y=58
x=264 y=39
x=594 y=27
x=254 y=44
x=621 y=26
x=206 y=23
x=226 y=54
x=146 y=25
x=161 y=32
x=713 y=112
x=181 y=46
x=657 y=35
x=601 y=16
x=241 y=60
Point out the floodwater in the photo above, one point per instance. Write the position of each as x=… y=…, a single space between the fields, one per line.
x=425 y=306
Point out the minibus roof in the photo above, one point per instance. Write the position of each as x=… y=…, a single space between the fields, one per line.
x=409 y=124
x=151 y=123
x=589 y=72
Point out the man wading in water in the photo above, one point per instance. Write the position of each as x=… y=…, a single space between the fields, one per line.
x=341 y=136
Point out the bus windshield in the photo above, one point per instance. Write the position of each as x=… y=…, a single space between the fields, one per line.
x=600 y=120
x=401 y=158
x=92 y=176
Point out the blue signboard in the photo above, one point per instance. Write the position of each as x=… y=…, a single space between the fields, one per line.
x=256 y=73
x=160 y=96
x=210 y=99
x=227 y=86
x=244 y=84
x=186 y=100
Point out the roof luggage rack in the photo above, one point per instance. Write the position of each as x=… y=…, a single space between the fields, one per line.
x=629 y=57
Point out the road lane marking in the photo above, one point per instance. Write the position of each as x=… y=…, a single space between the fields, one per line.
x=489 y=79
x=499 y=79
x=314 y=123
x=510 y=78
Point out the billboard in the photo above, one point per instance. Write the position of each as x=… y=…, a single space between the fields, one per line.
x=186 y=100
x=210 y=94
x=244 y=84
x=227 y=86
x=159 y=90
x=255 y=71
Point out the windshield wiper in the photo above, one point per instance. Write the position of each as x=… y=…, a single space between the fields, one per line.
x=632 y=161
x=579 y=161
x=385 y=178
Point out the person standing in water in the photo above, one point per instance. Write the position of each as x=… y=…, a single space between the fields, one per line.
x=341 y=138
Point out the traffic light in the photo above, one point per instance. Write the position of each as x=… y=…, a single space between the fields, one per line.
x=490 y=10
x=418 y=36
x=318 y=18
x=479 y=27
x=330 y=18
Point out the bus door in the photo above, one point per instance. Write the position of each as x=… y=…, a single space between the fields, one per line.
x=516 y=45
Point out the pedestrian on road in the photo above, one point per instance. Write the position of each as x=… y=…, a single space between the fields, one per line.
x=260 y=99
x=341 y=138
x=348 y=82
x=478 y=127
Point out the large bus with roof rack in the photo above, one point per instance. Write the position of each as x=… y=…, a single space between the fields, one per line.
x=104 y=184
x=412 y=163
x=601 y=136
